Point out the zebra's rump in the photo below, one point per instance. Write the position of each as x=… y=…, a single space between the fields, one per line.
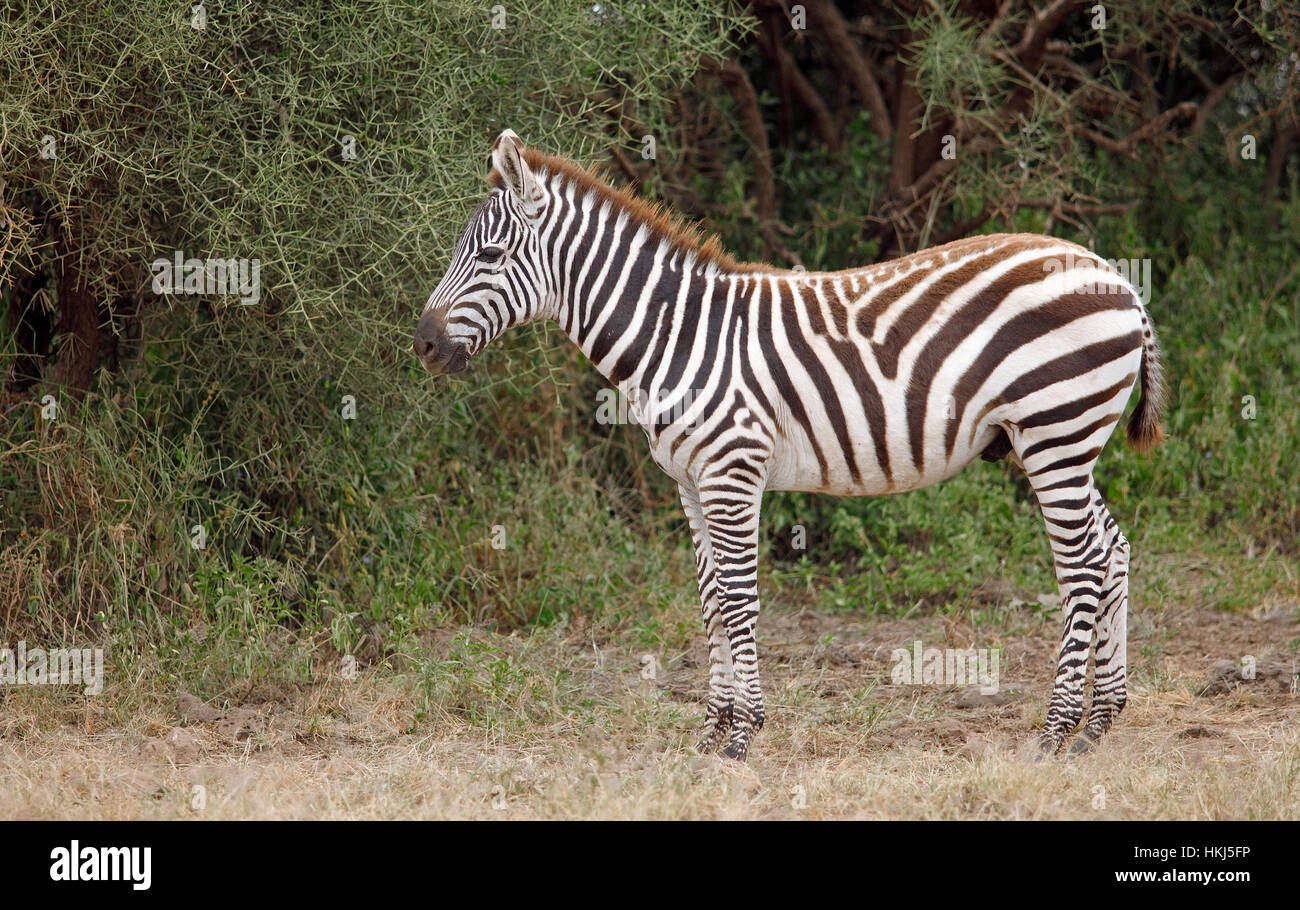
x=895 y=377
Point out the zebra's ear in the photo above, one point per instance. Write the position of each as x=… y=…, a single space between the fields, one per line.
x=508 y=159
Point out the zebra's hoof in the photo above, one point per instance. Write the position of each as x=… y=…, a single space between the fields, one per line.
x=715 y=731
x=1082 y=744
x=1047 y=748
x=737 y=750
x=713 y=735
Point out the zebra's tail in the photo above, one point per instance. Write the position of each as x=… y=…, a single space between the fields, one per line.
x=1144 y=431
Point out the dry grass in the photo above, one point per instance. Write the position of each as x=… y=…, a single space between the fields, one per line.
x=574 y=731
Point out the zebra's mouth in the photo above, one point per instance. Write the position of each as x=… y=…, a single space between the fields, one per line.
x=458 y=363
x=451 y=364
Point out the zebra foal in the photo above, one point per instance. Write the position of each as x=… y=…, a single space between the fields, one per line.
x=863 y=382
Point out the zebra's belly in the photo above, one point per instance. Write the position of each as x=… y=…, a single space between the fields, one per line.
x=798 y=469
x=796 y=463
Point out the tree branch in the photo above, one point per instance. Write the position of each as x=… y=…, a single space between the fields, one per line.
x=823 y=124
x=1127 y=145
x=857 y=67
x=1041 y=26
x=1277 y=157
x=1211 y=101
x=751 y=122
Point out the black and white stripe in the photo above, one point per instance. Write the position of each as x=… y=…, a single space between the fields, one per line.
x=863 y=382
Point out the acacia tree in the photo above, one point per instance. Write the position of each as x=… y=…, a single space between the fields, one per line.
x=936 y=117
x=340 y=146
x=332 y=141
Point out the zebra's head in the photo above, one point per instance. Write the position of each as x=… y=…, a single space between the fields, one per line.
x=495 y=279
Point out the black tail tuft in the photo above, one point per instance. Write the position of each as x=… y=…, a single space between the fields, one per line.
x=1144 y=430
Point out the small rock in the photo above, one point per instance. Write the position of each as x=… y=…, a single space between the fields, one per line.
x=974 y=697
x=238 y=724
x=184 y=746
x=191 y=710
x=837 y=656
x=950 y=733
x=1226 y=676
x=235 y=725
x=1280 y=615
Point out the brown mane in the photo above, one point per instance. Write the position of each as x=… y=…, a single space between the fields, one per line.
x=656 y=216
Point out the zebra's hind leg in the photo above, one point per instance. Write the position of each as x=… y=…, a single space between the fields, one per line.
x=718 y=707
x=1110 y=672
x=1075 y=527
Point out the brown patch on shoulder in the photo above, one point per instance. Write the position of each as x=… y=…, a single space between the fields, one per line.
x=654 y=215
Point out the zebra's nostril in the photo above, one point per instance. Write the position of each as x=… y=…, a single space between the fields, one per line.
x=428 y=333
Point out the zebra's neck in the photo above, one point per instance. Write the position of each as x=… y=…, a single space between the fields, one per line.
x=623 y=286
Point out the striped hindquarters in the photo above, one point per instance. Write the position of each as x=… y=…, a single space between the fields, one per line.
x=893 y=378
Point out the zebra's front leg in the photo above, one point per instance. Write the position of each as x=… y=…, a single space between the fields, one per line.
x=718 y=707
x=732 y=519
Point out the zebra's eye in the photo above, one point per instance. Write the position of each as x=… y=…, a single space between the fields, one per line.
x=490 y=254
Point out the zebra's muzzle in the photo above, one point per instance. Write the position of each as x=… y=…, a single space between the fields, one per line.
x=437 y=352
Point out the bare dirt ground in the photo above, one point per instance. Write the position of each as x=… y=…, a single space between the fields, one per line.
x=583 y=734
